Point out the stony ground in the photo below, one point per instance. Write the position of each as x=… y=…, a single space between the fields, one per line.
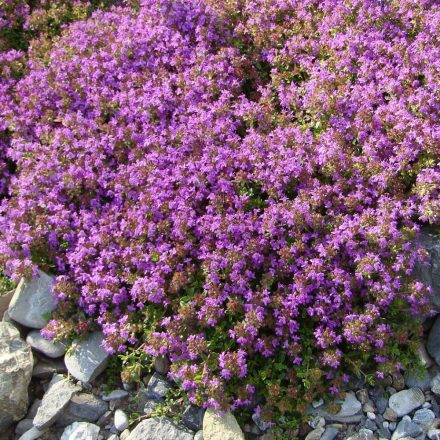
x=48 y=394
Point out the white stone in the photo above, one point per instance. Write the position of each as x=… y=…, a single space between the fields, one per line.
x=121 y=420
x=161 y=428
x=217 y=427
x=88 y=358
x=405 y=401
x=16 y=363
x=81 y=431
x=49 y=348
x=33 y=301
x=371 y=415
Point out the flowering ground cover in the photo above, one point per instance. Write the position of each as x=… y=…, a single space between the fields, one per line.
x=234 y=185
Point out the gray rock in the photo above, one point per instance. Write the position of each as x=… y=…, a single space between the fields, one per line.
x=199 y=435
x=192 y=417
x=434 y=434
x=318 y=403
x=49 y=348
x=405 y=401
x=369 y=424
x=330 y=433
x=121 y=420
x=150 y=406
x=384 y=432
x=406 y=428
x=23 y=426
x=82 y=407
x=16 y=364
x=316 y=434
x=429 y=273
x=80 y=431
x=350 y=410
x=161 y=365
x=363 y=434
x=390 y=415
x=157 y=387
x=420 y=380
x=433 y=345
x=33 y=409
x=32 y=434
x=435 y=384
x=424 y=417
x=316 y=422
x=33 y=301
x=221 y=426
x=160 y=428
x=115 y=395
x=46 y=368
x=53 y=403
x=5 y=300
x=88 y=358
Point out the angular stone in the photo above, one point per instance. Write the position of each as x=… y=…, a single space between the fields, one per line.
x=81 y=431
x=313 y=435
x=121 y=420
x=192 y=417
x=46 y=368
x=16 y=364
x=82 y=407
x=161 y=428
x=32 y=434
x=5 y=300
x=33 y=301
x=435 y=384
x=330 y=433
x=390 y=415
x=54 y=402
x=88 y=358
x=49 y=348
x=161 y=365
x=406 y=428
x=405 y=401
x=217 y=427
x=157 y=387
x=115 y=395
x=350 y=410
x=23 y=426
x=363 y=434
x=424 y=417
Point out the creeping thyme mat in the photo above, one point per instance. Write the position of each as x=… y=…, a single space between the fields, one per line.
x=234 y=185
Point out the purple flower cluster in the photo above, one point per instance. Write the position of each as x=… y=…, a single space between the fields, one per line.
x=217 y=180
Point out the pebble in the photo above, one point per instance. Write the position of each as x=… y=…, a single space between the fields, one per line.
x=434 y=434
x=317 y=422
x=330 y=433
x=424 y=417
x=315 y=434
x=406 y=428
x=390 y=415
x=115 y=395
x=121 y=420
x=318 y=403
x=403 y=402
x=371 y=415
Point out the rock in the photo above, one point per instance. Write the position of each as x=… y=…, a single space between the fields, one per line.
x=363 y=434
x=318 y=403
x=33 y=301
x=390 y=415
x=384 y=432
x=49 y=348
x=45 y=369
x=424 y=418
x=314 y=435
x=371 y=415
x=82 y=407
x=53 y=403
x=435 y=384
x=429 y=273
x=434 y=434
x=113 y=437
x=423 y=355
x=23 y=426
x=16 y=364
x=88 y=358
x=32 y=434
x=405 y=401
x=5 y=300
x=199 y=435
x=368 y=407
x=406 y=428
x=362 y=396
x=330 y=433
x=81 y=431
x=420 y=380
x=369 y=424
x=161 y=428
x=33 y=409
x=157 y=387
x=216 y=427
x=433 y=344
x=115 y=395
x=316 y=422
x=262 y=424
x=398 y=382
x=161 y=365
x=150 y=406
x=124 y=434
x=350 y=410
x=192 y=417
x=121 y=420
